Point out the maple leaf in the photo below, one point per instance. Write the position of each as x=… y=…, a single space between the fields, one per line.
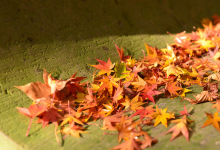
x=152 y=53
x=215 y=76
x=110 y=121
x=212 y=119
x=109 y=109
x=32 y=112
x=130 y=144
x=216 y=19
x=185 y=112
x=120 y=70
x=217 y=105
x=139 y=85
x=137 y=69
x=148 y=141
x=144 y=112
x=126 y=131
x=180 y=127
x=171 y=69
x=62 y=88
x=90 y=97
x=172 y=88
x=36 y=90
x=130 y=62
x=51 y=115
x=203 y=97
x=56 y=85
x=121 y=54
x=74 y=85
x=149 y=92
x=212 y=54
x=184 y=91
x=161 y=116
x=104 y=67
x=109 y=82
x=133 y=104
x=205 y=21
x=71 y=119
x=118 y=94
x=204 y=43
x=73 y=130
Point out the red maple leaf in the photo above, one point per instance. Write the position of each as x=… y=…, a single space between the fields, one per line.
x=32 y=112
x=144 y=112
x=51 y=115
x=121 y=54
x=149 y=91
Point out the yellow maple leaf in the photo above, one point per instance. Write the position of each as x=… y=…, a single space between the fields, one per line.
x=161 y=115
x=184 y=91
x=205 y=43
x=133 y=104
x=109 y=109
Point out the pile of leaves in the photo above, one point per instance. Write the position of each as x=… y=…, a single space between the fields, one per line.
x=123 y=94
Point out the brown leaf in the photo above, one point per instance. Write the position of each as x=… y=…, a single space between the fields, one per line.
x=203 y=97
x=36 y=90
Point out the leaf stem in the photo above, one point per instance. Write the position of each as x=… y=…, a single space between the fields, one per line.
x=29 y=127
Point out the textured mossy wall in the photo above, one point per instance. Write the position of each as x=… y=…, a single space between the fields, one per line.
x=64 y=36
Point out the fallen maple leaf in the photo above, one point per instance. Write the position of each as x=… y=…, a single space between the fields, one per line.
x=109 y=82
x=148 y=141
x=110 y=121
x=180 y=127
x=73 y=130
x=32 y=112
x=104 y=67
x=118 y=94
x=217 y=105
x=36 y=90
x=133 y=104
x=144 y=112
x=185 y=112
x=127 y=131
x=130 y=144
x=203 y=97
x=51 y=115
x=161 y=116
x=149 y=92
x=121 y=54
x=172 y=88
x=212 y=119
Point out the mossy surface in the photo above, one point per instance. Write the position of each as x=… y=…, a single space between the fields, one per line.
x=66 y=36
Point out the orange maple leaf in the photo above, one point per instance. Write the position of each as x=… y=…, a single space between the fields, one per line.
x=212 y=119
x=109 y=82
x=217 y=105
x=104 y=67
x=172 y=88
x=180 y=127
x=133 y=104
x=130 y=144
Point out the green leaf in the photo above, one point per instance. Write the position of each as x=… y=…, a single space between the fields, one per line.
x=120 y=70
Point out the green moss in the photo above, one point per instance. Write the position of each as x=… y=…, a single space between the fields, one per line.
x=65 y=37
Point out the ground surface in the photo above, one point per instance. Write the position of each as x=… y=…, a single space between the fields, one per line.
x=65 y=37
